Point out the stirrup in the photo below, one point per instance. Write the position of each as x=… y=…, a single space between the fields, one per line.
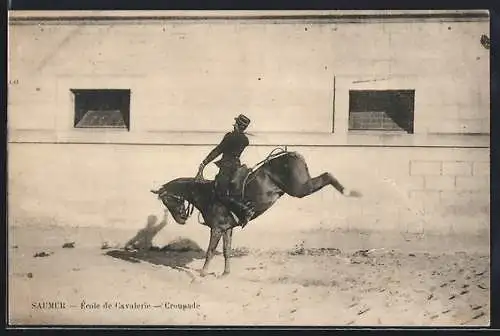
x=247 y=218
x=244 y=222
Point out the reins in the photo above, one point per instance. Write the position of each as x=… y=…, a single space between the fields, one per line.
x=271 y=156
x=275 y=153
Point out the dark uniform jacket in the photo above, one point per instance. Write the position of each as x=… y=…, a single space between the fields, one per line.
x=231 y=147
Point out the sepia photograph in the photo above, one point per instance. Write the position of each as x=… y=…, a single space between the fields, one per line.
x=249 y=168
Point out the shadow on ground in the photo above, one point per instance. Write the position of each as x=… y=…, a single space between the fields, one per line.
x=176 y=254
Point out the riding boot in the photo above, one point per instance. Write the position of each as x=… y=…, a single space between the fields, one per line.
x=244 y=211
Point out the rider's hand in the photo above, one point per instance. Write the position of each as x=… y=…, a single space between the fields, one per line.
x=199 y=175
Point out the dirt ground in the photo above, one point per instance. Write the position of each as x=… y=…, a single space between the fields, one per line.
x=318 y=277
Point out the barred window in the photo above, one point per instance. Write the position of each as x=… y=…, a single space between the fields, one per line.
x=381 y=110
x=102 y=108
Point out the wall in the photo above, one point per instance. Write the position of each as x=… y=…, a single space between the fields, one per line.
x=189 y=79
x=419 y=190
x=180 y=72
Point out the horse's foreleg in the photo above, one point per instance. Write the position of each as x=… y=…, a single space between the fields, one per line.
x=215 y=235
x=226 y=240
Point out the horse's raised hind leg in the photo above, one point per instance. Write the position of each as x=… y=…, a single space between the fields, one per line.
x=331 y=180
x=314 y=184
x=226 y=240
x=291 y=175
x=215 y=235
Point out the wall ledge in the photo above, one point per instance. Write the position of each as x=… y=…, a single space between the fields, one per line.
x=209 y=138
x=339 y=16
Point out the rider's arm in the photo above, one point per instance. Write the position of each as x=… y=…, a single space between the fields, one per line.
x=216 y=151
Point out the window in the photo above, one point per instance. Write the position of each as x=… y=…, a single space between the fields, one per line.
x=105 y=108
x=381 y=110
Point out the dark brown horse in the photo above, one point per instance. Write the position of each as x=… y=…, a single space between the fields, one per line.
x=284 y=173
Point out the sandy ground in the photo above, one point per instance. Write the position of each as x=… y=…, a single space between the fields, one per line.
x=318 y=277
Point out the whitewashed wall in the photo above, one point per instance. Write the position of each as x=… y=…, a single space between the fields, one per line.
x=189 y=79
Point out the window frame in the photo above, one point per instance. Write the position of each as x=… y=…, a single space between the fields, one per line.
x=121 y=100
x=409 y=120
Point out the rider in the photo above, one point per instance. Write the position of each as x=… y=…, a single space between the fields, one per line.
x=231 y=147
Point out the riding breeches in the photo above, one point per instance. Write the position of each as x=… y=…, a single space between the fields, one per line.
x=223 y=190
x=223 y=181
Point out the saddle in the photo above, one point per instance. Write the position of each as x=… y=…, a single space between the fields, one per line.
x=238 y=181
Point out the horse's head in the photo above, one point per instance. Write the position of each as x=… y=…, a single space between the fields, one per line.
x=179 y=207
x=174 y=197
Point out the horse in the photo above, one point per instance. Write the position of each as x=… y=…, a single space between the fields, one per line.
x=277 y=175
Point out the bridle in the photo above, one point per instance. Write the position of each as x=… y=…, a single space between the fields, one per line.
x=185 y=211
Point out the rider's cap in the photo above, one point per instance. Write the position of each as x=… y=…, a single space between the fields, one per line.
x=242 y=121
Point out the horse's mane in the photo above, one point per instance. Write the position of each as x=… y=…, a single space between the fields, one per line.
x=189 y=180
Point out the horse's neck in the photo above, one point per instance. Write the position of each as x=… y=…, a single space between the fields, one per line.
x=196 y=193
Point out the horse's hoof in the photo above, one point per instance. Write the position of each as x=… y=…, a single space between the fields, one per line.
x=355 y=193
x=204 y=273
x=224 y=275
